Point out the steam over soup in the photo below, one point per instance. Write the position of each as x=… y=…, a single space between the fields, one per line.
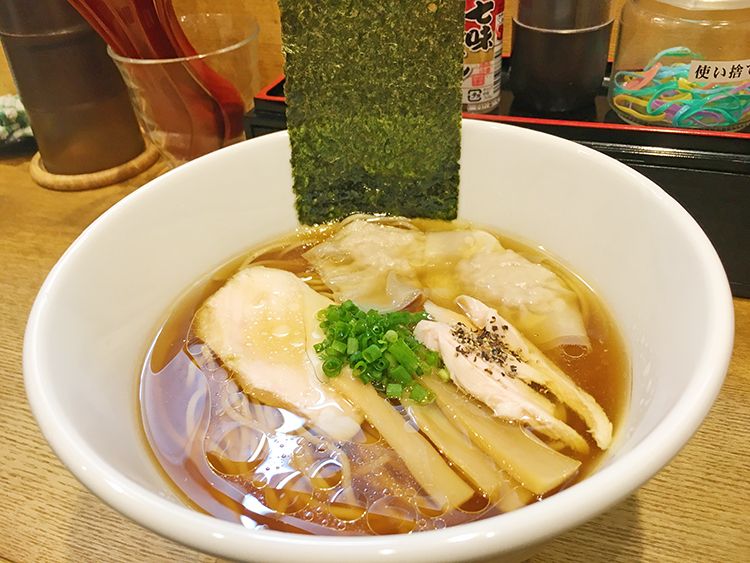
x=380 y=376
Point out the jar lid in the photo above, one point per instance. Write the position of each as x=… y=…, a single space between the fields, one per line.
x=709 y=4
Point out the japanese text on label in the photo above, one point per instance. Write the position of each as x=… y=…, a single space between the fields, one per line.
x=481 y=36
x=719 y=71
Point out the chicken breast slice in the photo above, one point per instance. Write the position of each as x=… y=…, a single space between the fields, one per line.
x=493 y=383
x=262 y=326
x=532 y=366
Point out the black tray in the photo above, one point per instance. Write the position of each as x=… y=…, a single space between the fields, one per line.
x=707 y=172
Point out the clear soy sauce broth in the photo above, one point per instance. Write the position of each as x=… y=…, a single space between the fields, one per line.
x=262 y=466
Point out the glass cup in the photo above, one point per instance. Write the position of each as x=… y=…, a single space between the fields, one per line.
x=190 y=106
x=559 y=53
x=73 y=94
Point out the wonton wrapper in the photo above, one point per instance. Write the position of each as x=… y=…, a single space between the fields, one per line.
x=385 y=267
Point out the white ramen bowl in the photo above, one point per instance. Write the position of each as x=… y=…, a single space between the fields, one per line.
x=102 y=303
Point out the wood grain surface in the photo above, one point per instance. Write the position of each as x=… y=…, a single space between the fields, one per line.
x=697 y=509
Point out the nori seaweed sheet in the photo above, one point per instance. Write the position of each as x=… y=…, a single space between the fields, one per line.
x=374 y=106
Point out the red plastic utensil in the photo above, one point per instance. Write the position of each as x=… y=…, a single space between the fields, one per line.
x=221 y=89
x=107 y=26
x=183 y=108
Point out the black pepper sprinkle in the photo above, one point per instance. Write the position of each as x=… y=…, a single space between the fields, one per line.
x=486 y=345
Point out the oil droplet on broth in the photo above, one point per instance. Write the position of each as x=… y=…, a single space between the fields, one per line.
x=259 y=480
x=431 y=507
x=476 y=504
x=391 y=515
x=240 y=451
x=347 y=504
x=326 y=474
x=288 y=493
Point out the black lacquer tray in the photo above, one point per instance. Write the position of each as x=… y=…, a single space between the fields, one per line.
x=707 y=172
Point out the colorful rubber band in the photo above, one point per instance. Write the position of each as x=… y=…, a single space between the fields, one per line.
x=664 y=94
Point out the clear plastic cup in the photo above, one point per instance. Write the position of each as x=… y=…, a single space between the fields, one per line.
x=176 y=99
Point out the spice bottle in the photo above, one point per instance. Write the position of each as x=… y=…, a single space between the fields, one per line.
x=683 y=63
x=483 y=52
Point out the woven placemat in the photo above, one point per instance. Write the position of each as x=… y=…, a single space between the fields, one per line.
x=100 y=179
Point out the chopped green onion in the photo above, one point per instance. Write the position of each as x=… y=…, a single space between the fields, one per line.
x=404 y=355
x=332 y=367
x=443 y=374
x=380 y=349
x=339 y=346
x=371 y=353
x=432 y=358
x=419 y=393
x=394 y=391
x=392 y=363
x=400 y=375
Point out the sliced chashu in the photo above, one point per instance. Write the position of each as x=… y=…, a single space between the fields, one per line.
x=493 y=383
x=262 y=326
x=534 y=367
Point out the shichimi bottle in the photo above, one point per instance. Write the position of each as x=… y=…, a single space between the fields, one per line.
x=483 y=49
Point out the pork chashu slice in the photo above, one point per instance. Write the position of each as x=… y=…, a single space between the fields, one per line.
x=262 y=325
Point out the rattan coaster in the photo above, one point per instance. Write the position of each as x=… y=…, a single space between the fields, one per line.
x=76 y=182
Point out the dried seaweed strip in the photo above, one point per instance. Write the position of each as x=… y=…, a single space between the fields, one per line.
x=374 y=106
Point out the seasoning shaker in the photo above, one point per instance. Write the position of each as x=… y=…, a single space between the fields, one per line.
x=483 y=55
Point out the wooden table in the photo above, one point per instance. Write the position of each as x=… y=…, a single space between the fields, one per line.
x=697 y=509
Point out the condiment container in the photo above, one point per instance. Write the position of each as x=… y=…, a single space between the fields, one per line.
x=683 y=63
x=483 y=55
x=559 y=54
x=77 y=103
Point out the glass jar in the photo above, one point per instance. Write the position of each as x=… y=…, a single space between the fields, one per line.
x=683 y=63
